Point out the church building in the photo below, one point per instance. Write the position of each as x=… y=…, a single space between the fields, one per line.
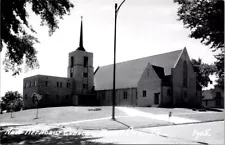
x=166 y=79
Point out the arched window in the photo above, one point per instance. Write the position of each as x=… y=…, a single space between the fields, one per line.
x=185 y=74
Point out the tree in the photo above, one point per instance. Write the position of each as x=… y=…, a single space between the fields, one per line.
x=205 y=19
x=17 y=33
x=12 y=100
x=203 y=71
x=36 y=98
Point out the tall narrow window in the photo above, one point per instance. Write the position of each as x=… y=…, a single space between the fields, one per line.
x=85 y=61
x=68 y=85
x=185 y=74
x=57 y=84
x=71 y=61
x=60 y=84
x=46 y=83
x=71 y=75
x=125 y=95
x=144 y=93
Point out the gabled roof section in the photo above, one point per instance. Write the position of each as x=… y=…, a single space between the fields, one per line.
x=159 y=71
x=128 y=73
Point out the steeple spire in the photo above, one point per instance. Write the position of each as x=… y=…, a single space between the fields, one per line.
x=81 y=36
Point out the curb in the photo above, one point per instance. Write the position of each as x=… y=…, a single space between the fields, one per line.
x=121 y=128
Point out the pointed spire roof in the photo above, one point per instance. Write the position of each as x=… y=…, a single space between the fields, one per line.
x=81 y=36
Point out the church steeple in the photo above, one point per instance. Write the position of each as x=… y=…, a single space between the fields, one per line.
x=81 y=36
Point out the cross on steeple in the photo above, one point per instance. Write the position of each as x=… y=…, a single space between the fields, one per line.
x=81 y=36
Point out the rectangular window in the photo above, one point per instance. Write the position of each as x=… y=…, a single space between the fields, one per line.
x=156 y=98
x=46 y=83
x=57 y=84
x=218 y=94
x=85 y=61
x=125 y=95
x=85 y=86
x=71 y=61
x=35 y=83
x=206 y=102
x=71 y=75
x=144 y=93
x=60 y=84
x=85 y=75
x=217 y=102
x=68 y=85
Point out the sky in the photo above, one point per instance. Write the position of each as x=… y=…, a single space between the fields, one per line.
x=144 y=28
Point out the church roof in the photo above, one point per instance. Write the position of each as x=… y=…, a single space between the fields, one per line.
x=128 y=73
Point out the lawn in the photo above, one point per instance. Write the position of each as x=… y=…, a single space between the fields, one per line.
x=57 y=115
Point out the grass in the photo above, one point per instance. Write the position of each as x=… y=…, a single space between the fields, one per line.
x=57 y=115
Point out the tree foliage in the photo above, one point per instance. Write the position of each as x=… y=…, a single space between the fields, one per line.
x=203 y=71
x=17 y=33
x=205 y=19
x=12 y=100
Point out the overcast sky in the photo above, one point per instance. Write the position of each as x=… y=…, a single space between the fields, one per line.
x=144 y=28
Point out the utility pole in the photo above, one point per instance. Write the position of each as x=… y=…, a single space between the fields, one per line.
x=114 y=64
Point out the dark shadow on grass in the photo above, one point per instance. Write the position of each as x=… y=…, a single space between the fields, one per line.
x=49 y=139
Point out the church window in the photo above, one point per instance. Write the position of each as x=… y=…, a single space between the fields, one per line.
x=68 y=85
x=60 y=84
x=46 y=83
x=85 y=61
x=85 y=75
x=71 y=61
x=85 y=86
x=125 y=95
x=185 y=74
x=25 y=97
x=144 y=93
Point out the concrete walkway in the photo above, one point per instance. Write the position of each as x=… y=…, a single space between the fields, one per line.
x=163 y=117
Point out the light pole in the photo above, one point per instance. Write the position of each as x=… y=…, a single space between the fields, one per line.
x=114 y=64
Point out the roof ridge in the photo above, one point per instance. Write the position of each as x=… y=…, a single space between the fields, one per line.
x=142 y=57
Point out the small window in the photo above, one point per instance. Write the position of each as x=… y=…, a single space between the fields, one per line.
x=68 y=85
x=25 y=97
x=60 y=84
x=71 y=75
x=125 y=95
x=71 y=61
x=218 y=94
x=57 y=84
x=35 y=83
x=217 y=102
x=85 y=86
x=46 y=83
x=85 y=75
x=144 y=93
x=85 y=61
